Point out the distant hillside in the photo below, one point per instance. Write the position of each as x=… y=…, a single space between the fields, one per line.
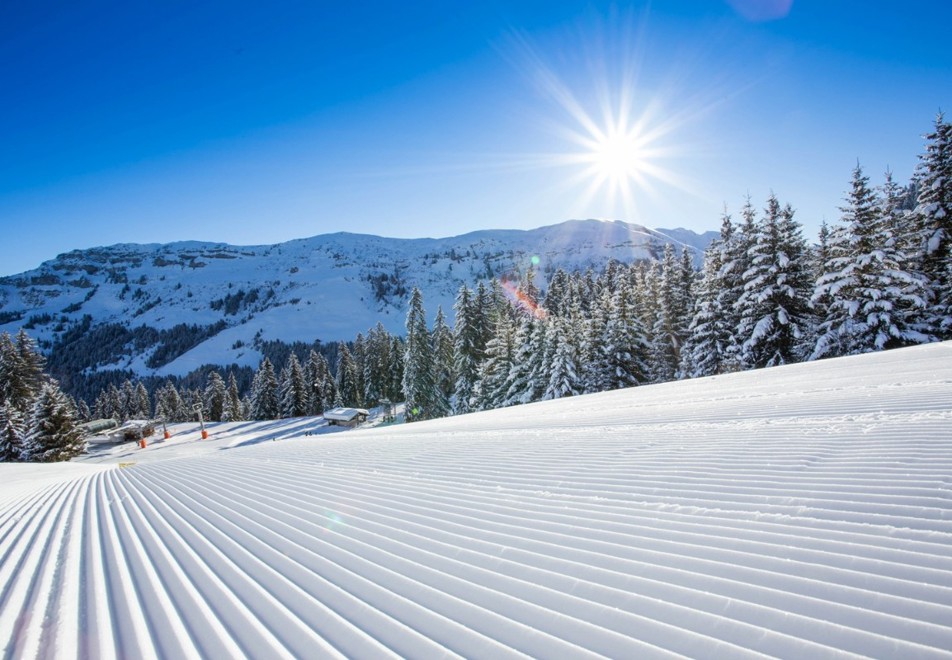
x=172 y=308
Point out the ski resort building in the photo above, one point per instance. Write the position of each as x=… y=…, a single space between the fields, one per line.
x=346 y=416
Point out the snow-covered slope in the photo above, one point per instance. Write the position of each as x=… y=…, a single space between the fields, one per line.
x=802 y=511
x=327 y=287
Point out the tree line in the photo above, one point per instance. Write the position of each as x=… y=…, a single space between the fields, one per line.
x=880 y=279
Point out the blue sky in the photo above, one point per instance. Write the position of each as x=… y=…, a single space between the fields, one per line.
x=248 y=122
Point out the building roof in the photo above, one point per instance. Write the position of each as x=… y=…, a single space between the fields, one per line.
x=344 y=414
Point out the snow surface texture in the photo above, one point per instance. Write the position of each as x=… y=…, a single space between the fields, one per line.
x=799 y=512
x=327 y=287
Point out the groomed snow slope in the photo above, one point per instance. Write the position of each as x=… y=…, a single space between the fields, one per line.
x=800 y=512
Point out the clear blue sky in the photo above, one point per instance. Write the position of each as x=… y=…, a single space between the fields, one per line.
x=251 y=122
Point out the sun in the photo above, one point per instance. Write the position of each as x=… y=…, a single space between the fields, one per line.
x=621 y=132
x=617 y=156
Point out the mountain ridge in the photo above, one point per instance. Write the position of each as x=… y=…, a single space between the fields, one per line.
x=327 y=287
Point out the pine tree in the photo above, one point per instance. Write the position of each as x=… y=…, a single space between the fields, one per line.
x=443 y=348
x=598 y=367
x=419 y=380
x=707 y=348
x=671 y=320
x=627 y=340
x=53 y=433
x=466 y=351
x=360 y=357
x=491 y=389
x=294 y=390
x=820 y=264
x=564 y=366
x=18 y=379
x=82 y=409
x=215 y=397
x=913 y=287
x=735 y=259
x=129 y=400
x=264 y=402
x=557 y=294
x=397 y=365
x=524 y=382
x=867 y=288
x=484 y=316
x=233 y=412
x=348 y=387
x=143 y=405
x=776 y=324
x=11 y=433
x=377 y=365
x=168 y=405
x=318 y=379
x=31 y=362
x=933 y=221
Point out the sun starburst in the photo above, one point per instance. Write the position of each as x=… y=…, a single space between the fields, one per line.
x=621 y=134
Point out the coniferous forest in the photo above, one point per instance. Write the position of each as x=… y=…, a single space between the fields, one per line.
x=879 y=278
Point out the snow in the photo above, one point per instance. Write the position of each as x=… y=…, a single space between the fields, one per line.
x=796 y=511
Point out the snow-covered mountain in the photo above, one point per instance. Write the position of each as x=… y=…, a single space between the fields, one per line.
x=796 y=512
x=328 y=287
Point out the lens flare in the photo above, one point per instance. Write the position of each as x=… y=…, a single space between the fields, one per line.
x=518 y=299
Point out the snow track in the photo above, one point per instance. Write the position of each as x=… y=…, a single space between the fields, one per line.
x=794 y=512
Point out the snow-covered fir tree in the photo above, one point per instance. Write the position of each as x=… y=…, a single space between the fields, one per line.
x=735 y=259
x=933 y=221
x=896 y=208
x=443 y=348
x=19 y=381
x=467 y=351
x=264 y=402
x=143 y=402
x=866 y=291
x=708 y=347
x=233 y=412
x=216 y=395
x=597 y=352
x=30 y=363
x=83 y=412
x=378 y=366
x=491 y=388
x=564 y=359
x=525 y=381
x=348 y=386
x=397 y=357
x=129 y=402
x=626 y=339
x=419 y=372
x=556 y=299
x=775 y=319
x=360 y=354
x=319 y=383
x=293 y=389
x=674 y=310
x=12 y=430
x=54 y=434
